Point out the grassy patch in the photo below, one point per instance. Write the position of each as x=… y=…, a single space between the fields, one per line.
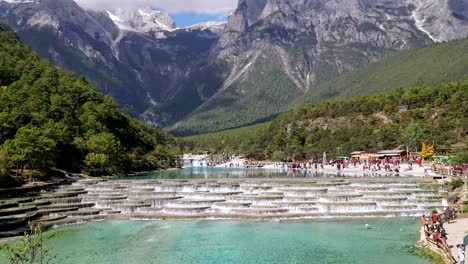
x=430 y=255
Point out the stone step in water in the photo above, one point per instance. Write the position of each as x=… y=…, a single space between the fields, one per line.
x=364 y=188
x=28 y=215
x=209 y=194
x=17 y=210
x=149 y=210
x=8 y=204
x=341 y=197
x=301 y=204
x=232 y=204
x=16 y=221
x=300 y=198
x=66 y=200
x=51 y=218
x=384 y=199
x=303 y=209
x=383 y=193
x=196 y=201
x=65 y=206
x=50 y=211
x=303 y=192
x=83 y=212
x=331 y=184
x=141 y=189
x=111 y=212
x=185 y=210
x=376 y=214
x=129 y=208
x=156 y=201
x=399 y=207
x=261 y=206
x=257 y=199
x=55 y=195
x=71 y=189
x=144 y=193
x=254 y=188
x=105 y=198
x=260 y=211
x=37 y=203
x=25 y=200
x=347 y=206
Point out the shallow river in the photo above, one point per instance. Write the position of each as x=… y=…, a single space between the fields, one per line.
x=320 y=241
x=390 y=240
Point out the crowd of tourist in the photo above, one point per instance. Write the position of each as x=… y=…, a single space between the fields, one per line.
x=435 y=232
x=387 y=164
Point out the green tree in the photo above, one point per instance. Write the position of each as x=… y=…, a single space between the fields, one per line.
x=279 y=155
x=413 y=136
x=460 y=156
x=29 y=249
x=105 y=152
x=30 y=149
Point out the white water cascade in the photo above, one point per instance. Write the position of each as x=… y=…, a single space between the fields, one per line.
x=257 y=198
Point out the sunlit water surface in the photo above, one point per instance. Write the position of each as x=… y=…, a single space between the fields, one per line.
x=229 y=173
x=170 y=242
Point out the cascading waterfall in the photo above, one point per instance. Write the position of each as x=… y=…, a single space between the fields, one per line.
x=232 y=199
x=260 y=198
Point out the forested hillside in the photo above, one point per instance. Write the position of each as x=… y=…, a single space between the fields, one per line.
x=434 y=115
x=440 y=63
x=49 y=119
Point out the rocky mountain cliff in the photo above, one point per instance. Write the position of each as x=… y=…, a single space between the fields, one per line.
x=218 y=76
x=138 y=57
x=277 y=50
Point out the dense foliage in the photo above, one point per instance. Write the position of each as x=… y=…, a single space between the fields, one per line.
x=49 y=119
x=28 y=249
x=437 y=116
x=433 y=65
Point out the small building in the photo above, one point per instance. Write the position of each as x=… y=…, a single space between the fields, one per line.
x=363 y=155
x=396 y=153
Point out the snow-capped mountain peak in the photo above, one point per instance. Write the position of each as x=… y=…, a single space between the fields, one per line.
x=209 y=25
x=142 y=20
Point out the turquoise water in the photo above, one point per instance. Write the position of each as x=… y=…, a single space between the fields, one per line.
x=227 y=173
x=169 y=242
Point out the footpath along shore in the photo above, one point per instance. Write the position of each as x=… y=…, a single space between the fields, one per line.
x=456 y=231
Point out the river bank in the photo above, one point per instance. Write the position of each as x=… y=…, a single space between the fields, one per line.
x=455 y=231
x=352 y=170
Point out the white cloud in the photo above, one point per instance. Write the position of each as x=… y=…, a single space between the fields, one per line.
x=211 y=7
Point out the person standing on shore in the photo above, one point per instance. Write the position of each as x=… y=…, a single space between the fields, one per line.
x=465 y=242
x=435 y=217
x=424 y=224
x=461 y=253
x=448 y=214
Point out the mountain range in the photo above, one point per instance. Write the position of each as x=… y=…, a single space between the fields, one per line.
x=214 y=76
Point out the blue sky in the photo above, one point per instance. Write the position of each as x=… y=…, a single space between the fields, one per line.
x=188 y=19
